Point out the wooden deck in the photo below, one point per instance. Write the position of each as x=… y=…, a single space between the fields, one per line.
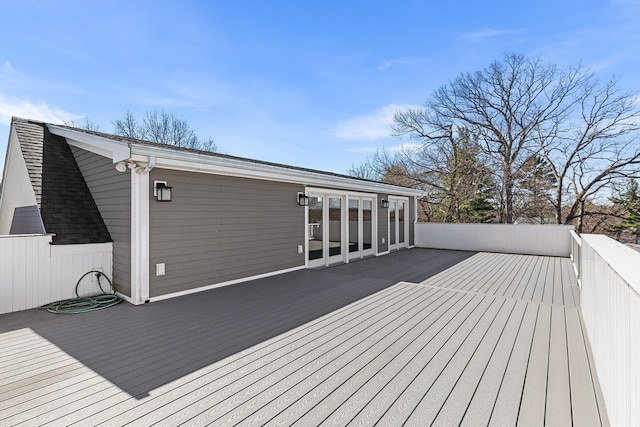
x=418 y=337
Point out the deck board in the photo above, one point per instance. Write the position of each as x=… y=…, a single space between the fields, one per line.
x=419 y=336
x=558 y=406
x=482 y=394
x=532 y=403
x=583 y=395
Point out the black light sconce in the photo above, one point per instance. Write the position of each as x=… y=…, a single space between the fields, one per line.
x=302 y=199
x=162 y=191
x=384 y=203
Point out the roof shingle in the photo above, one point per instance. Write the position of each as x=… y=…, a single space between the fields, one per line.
x=65 y=202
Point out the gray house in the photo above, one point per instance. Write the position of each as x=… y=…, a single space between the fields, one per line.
x=182 y=220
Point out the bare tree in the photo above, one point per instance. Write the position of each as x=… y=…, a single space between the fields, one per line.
x=520 y=108
x=162 y=127
x=128 y=127
x=447 y=167
x=592 y=149
x=84 y=123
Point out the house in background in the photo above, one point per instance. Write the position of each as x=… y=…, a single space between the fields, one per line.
x=182 y=220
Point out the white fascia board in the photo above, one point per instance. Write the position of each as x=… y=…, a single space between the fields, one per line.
x=194 y=162
x=115 y=150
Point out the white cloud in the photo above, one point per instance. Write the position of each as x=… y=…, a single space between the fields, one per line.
x=485 y=33
x=406 y=147
x=372 y=127
x=26 y=109
x=15 y=81
x=388 y=63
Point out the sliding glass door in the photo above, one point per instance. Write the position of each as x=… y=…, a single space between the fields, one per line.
x=326 y=240
x=360 y=227
x=398 y=223
x=340 y=227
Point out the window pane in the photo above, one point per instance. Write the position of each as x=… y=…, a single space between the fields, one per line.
x=353 y=225
x=392 y=223
x=335 y=229
x=367 y=226
x=315 y=227
x=400 y=222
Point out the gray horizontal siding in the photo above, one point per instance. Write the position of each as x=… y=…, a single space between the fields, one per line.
x=220 y=228
x=111 y=191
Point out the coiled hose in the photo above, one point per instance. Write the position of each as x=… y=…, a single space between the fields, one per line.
x=85 y=304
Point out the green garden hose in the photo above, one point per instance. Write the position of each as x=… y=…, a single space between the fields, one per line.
x=85 y=304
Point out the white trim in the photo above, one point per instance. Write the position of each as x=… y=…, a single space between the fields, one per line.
x=171 y=158
x=126 y=298
x=106 y=147
x=9 y=236
x=342 y=192
x=407 y=237
x=204 y=163
x=83 y=248
x=221 y=284
x=139 y=237
x=383 y=253
x=361 y=254
x=344 y=196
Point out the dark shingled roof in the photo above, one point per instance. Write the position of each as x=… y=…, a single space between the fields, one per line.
x=65 y=202
x=134 y=141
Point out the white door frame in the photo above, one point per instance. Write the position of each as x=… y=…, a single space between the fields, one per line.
x=361 y=252
x=396 y=224
x=344 y=196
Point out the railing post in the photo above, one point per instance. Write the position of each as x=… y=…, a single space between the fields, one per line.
x=576 y=247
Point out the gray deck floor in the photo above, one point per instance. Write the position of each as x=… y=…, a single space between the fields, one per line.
x=418 y=337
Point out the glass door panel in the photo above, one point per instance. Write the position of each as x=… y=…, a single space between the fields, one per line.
x=367 y=225
x=316 y=238
x=335 y=227
x=392 y=223
x=340 y=227
x=400 y=222
x=354 y=216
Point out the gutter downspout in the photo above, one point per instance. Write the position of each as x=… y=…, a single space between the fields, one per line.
x=150 y=165
x=140 y=231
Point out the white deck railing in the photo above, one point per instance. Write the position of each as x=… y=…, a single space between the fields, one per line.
x=33 y=272
x=609 y=275
x=549 y=240
x=610 y=305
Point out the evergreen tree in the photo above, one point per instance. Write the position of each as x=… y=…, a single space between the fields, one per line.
x=629 y=199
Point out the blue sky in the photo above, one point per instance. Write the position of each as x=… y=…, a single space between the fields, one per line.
x=307 y=83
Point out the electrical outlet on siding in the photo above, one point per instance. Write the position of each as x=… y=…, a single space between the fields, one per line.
x=383 y=240
x=160 y=269
x=300 y=249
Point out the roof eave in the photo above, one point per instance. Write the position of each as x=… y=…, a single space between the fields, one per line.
x=204 y=163
x=115 y=150
x=195 y=162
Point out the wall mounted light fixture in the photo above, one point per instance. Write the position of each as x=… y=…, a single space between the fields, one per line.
x=302 y=199
x=162 y=191
x=384 y=203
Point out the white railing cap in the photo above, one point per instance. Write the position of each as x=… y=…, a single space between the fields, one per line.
x=624 y=260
